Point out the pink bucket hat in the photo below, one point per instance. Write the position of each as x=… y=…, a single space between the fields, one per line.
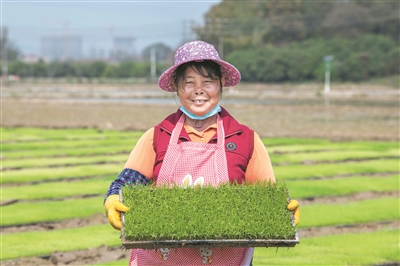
x=198 y=51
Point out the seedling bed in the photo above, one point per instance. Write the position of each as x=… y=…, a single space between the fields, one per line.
x=252 y=215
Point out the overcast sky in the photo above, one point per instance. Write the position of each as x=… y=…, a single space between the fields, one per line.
x=98 y=21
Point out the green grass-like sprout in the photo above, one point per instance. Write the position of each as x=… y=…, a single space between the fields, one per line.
x=254 y=211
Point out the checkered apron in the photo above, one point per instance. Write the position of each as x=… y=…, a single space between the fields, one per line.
x=199 y=160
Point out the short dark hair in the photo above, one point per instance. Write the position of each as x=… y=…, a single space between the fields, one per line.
x=206 y=68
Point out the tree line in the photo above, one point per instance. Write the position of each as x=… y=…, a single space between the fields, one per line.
x=96 y=69
x=354 y=60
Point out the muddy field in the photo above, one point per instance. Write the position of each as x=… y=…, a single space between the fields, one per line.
x=349 y=112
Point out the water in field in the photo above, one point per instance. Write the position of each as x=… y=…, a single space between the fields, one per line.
x=155 y=96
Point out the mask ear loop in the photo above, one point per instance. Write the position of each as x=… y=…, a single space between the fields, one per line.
x=176 y=97
x=177 y=100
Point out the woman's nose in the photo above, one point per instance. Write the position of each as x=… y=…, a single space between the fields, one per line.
x=199 y=89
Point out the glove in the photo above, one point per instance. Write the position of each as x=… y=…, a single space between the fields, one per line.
x=113 y=208
x=295 y=207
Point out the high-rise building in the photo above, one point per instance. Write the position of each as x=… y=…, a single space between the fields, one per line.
x=123 y=48
x=62 y=48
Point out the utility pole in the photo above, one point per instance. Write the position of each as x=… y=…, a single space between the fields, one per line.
x=221 y=24
x=4 y=51
x=66 y=41
x=111 y=52
x=153 y=63
x=327 y=60
x=208 y=29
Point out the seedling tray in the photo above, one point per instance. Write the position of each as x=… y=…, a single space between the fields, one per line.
x=228 y=216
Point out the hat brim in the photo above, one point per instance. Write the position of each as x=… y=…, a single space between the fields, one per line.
x=228 y=71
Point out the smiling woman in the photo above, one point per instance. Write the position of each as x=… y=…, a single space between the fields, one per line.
x=201 y=140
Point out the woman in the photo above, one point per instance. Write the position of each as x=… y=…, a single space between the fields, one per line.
x=202 y=140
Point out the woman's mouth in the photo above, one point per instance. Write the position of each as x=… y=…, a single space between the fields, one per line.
x=199 y=101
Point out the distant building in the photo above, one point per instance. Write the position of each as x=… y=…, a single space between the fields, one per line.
x=30 y=58
x=62 y=48
x=123 y=48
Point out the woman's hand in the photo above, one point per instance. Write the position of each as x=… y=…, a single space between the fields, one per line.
x=113 y=209
x=295 y=207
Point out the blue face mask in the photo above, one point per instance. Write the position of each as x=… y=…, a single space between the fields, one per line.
x=214 y=111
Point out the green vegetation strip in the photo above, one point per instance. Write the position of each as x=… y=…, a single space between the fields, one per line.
x=42 y=174
x=333 y=156
x=31 y=146
x=354 y=212
x=62 y=161
x=332 y=146
x=270 y=142
x=347 y=249
x=42 y=134
x=341 y=186
x=256 y=211
x=64 y=152
x=375 y=248
x=28 y=244
x=53 y=190
x=283 y=172
x=50 y=211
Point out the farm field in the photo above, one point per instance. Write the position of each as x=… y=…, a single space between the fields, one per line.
x=54 y=181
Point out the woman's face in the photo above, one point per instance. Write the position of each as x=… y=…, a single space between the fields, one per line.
x=198 y=94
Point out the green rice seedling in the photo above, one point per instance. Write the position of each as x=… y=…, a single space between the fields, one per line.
x=354 y=212
x=292 y=141
x=322 y=170
x=42 y=134
x=50 y=211
x=341 y=186
x=256 y=211
x=28 y=244
x=76 y=151
x=30 y=146
x=42 y=174
x=377 y=248
x=333 y=146
x=63 y=161
x=333 y=156
x=53 y=190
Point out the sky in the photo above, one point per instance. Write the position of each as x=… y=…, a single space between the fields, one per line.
x=99 y=21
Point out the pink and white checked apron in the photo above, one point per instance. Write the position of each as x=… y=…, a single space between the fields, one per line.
x=199 y=160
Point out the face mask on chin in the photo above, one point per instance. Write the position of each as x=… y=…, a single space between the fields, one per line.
x=214 y=111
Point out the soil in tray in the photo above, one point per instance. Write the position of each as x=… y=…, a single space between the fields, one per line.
x=254 y=211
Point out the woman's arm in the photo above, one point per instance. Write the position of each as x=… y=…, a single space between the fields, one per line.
x=260 y=166
x=138 y=169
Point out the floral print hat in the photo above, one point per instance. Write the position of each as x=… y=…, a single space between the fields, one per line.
x=198 y=51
